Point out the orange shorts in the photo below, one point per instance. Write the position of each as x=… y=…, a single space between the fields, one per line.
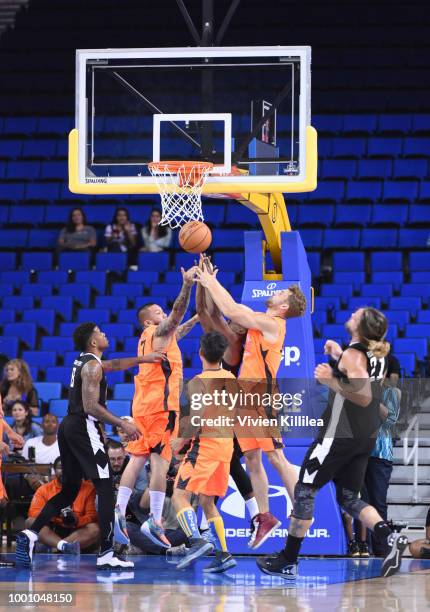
x=204 y=475
x=157 y=431
x=266 y=444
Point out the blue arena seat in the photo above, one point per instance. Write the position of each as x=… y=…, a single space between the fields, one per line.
x=58 y=126
x=59 y=374
x=18 y=302
x=356 y=279
x=130 y=291
x=99 y=215
x=60 y=344
x=74 y=261
x=78 y=291
x=395 y=278
x=11 y=192
x=419 y=261
x=373 y=238
x=9 y=346
x=230 y=263
x=381 y=261
x=339 y=169
x=348 y=147
x=153 y=261
x=419 y=346
x=98 y=315
x=363 y=191
x=416 y=147
x=388 y=215
x=331 y=330
x=398 y=317
x=423 y=316
x=319 y=318
x=227 y=239
x=42 y=359
x=352 y=215
x=144 y=277
x=96 y=279
x=20 y=126
x=44 y=319
x=374 y=168
x=57 y=215
x=420 y=277
x=54 y=170
x=124 y=391
x=114 y=262
x=379 y=290
x=421 y=124
x=22 y=170
x=165 y=290
x=348 y=261
x=26 y=332
x=130 y=344
x=58 y=407
x=15 y=278
x=328 y=124
x=10 y=149
x=407 y=363
x=48 y=390
x=128 y=316
x=359 y=124
x=343 y=291
x=311 y=238
x=42 y=239
x=341 y=238
x=410 y=168
x=327 y=303
x=120 y=408
x=111 y=302
x=36 y=261
x=118 y=330
x=38 y=149
x=384 y=147
x=52 y=277
x=62 y=305
x=413 y=238
x=419 y=214
x=237 y=214
x=421 y=290
x=13 y=238
x=359 y=302
x=36 y=290
x=5 y=290
x=418 y=330
x=328 y=192
x=400 y=191
x=315 y=215
x=411 y=304
x=395 y=124
x=7 y=316
x=69 y=357
x=26 y=215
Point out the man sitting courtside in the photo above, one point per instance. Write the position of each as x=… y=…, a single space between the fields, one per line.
x=77 y=527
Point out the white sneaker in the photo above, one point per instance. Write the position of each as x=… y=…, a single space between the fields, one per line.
x=109 y=560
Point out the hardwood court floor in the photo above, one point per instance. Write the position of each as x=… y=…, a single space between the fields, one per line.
x=156 y=586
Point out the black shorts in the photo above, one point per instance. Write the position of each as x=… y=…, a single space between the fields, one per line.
x=344 y=461
x=82 y=450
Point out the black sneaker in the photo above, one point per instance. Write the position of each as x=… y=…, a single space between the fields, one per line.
x=221 y=563
x=198 y=548
x=278 y=566
x=391 y=564
x=353 y=549
x=363 y=549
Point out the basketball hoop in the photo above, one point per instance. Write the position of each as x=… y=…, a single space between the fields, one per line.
x=180 y=184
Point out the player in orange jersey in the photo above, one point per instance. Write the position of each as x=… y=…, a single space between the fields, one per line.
x=205 y=468
x=155 y=407
x=261 y=360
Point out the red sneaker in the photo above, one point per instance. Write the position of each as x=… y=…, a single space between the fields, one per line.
x=264 y=525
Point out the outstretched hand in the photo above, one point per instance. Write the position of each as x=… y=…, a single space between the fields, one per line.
x=188 y=276
x=204 y=277
x=206 y=264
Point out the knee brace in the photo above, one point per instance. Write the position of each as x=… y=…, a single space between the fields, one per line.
x=350 y=501
x=304 y=501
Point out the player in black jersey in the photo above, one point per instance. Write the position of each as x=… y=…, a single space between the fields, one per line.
x=82 y=449
x=211 y=319
x=343 y=445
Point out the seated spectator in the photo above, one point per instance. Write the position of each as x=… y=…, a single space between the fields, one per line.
x=77 y=527
x=17 y=384
x=123 y=437
x=42 y=449
x=23 y=422
x=155 y=237
x=5 y=450
x=77 y=235
x=118 y=460
x=121 y=235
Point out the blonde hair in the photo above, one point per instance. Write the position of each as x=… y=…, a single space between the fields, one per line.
x=372 y=330
x=24 y=382
x=296 y=302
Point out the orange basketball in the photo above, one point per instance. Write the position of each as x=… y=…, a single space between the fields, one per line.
x=195 y=237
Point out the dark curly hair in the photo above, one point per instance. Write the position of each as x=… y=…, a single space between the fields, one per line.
x=82 y=335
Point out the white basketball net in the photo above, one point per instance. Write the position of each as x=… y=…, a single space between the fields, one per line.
x=180 y=185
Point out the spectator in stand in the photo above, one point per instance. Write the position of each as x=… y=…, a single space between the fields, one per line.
x=42 y=449
x=77 y=235
x=23 y=422
x=155 y=237
x=118 y=459
x=123 y=437
x=121 y=235
x=5 y=450
x=77 y=527
x=17 y=384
